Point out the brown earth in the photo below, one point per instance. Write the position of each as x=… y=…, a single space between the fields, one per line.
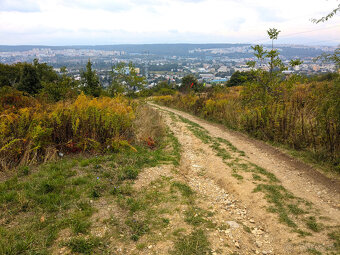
x=256 y=231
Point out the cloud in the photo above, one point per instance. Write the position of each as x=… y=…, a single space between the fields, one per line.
x=107 y=5
x=236 y=24
x=19 y=6
x=147 y=21
x=269 y=14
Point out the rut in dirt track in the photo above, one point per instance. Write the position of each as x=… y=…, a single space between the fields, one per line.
x=303 y=204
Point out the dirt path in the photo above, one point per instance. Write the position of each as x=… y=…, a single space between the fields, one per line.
x=226 y=168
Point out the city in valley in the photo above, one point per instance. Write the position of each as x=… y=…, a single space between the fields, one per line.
x=210 y=63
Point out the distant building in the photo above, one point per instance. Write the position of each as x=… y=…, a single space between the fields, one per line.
x=207 y=76
x=223 y=69
x=220 y=80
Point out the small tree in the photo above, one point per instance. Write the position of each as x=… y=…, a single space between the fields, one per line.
x=125 y=79
x=90 y=81
x=65 y=87
x=29 y=80
x=190 y=83
x=239 y=78
x=267 y=82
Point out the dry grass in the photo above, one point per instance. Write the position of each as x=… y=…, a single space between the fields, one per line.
x=148 y=126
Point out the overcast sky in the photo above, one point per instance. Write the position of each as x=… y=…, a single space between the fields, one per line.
x=71 y=22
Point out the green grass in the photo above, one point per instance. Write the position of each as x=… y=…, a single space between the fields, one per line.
x=313 y=251
x=83 y=245
x=176 y=148
x=185 y=190
x=237 y=176
x=294 y=209
x=195 y=243
x=230 y=146
x=313 y=225
x=37 y=204
x=257 y=177
x=137 y=228
x=259 y=170
x=335 y=236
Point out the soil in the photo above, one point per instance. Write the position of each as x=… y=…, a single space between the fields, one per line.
x=252 y=229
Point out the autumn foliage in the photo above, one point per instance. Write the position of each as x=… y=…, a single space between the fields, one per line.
x=32 y=131
x=303 y=116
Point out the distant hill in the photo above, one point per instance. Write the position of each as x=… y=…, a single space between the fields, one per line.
x=158 y=49
x=181 y=49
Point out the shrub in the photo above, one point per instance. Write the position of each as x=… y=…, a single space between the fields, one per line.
x=31 y=131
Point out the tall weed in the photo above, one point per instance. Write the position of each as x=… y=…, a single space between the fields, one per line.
x=303 y=116
x=31 y=131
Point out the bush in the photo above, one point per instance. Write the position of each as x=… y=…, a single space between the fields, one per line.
x=31 y=131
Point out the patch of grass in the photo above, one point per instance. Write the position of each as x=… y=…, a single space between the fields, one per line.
x=83 y=245
x=284 y=218
x=85 y=207
x=197 y=130
x=15 y=242
x=141 y=246
x=246 y=228
x=165 y=221
x=221 y=152
x=137 y=228
x=185 y=190
x=95 y=193
x=335 y=236
x=80 y=181
x=312 y=224
x=176 y=148
x=127 y=173
x=23 y=171
x=294 y=209
x=80 y=224
x=60 y=191
x=237 y=176
x=173 y=116
x=196 y=217
x=230 y=146
x=195 y=243
x=84 y=163
x=257 y=177
x=191 y=123
x=313 y=251
x=178 y=231
x=124 y=189
x=302 y=233
x=135 y=204
x=278 y=196
x=259 y=170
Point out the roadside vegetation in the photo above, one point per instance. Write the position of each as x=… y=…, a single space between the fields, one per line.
x=301 y=113
x=88 y=204
x=304 y=117
x=296 y=213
